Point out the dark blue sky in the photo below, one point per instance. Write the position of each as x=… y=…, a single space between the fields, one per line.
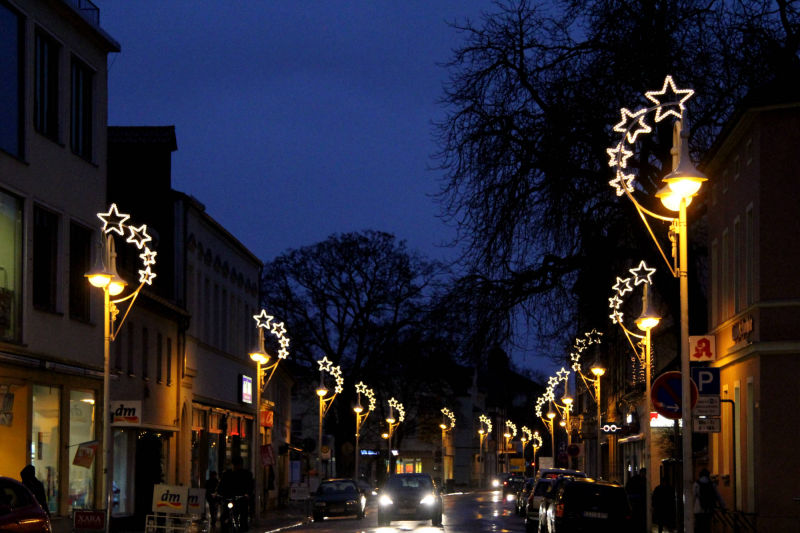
x=295 y=120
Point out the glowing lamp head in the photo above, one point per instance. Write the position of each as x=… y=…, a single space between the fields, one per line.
x=358 y=409
x=670 y=199
x=566 y=400
x=481 y=432
x=563 y=424
x=385 y=436
x=443 y=426
x=390 y=420
x=99 y=279
x=507 y=435
x=551 y=415
x=685 y=180
x=598 y=370
x=647 y=322
x=258 y=356
x=321 y=392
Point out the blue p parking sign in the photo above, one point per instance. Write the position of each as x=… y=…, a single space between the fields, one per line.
x=707 y=380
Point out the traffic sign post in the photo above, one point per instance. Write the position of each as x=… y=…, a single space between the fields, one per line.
x=707 y=412
x=666 y=395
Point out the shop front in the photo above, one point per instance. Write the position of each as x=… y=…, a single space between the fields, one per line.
x=219 y=435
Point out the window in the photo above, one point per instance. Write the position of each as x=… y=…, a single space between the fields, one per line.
x=83 y=451
x=80 y=252
x=45 y=96
x=715 y=283
x=45 y=258
x=131 y=370
x=45 y=447
x=749 y=259
x=145 y=354
x=737 y=265
x=10 y=265
x=10 y=81
x=81 y=110
x=159 y=357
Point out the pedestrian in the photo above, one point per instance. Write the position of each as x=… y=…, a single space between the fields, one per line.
x=235 y=482
x=28 y=476
x=706 y=500
x=212 y=484
x=664 y=506
x=637 y=492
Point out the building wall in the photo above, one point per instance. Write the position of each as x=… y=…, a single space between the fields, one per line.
x=56 y=362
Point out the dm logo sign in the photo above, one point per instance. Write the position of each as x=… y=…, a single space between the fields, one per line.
x=126 y=413
x=197 y=501
x=170 y=499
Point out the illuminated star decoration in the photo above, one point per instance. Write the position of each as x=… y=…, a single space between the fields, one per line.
x=113 y=220
x=638 y=118
x=562 y=375
x=361 y=388
x=671 y=98
x=513 y=427
x=400 y=409
x=642 y=274
x=449 y=414
x=324 y=364
x=263 y=319
x=622 y=182
x=537 y=440
x=277 y=329
x=618 y=156
x=622 y=286
x=527 y=433
x=138 y=236
x=485 y=419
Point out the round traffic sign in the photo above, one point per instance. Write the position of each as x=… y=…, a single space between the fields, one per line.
x=666 y=394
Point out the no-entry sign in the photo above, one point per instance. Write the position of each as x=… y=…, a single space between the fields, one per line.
x=666 y=394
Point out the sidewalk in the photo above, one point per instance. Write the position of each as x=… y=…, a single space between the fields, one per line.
x=275 y=520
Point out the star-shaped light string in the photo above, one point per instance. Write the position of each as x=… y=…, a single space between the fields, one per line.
x=113 y=220
x=618 y=156
x=669 y=95
x=263 y=319
x=278 y=329
x=138 y=236
x=626 y=125
x=148 y=256
x=622 y=286
x=512 y=427
x=485 y=420
x=615 y=301
x=642 y=274
x=146 y=275
x=562 y=375
x=449 y=414
x=622 y=182
x=325 y=364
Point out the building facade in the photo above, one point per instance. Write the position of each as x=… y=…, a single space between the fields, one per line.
x=53 y=117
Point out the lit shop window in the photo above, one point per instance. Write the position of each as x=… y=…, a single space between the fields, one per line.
x=44 y=440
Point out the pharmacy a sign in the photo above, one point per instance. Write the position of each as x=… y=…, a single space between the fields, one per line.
x=170 y=499
x=126 y=413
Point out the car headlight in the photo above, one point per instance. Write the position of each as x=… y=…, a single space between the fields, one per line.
x=428 y=500
x=385 y=500
x=495 y=483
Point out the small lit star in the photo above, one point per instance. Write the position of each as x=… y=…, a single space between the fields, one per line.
x=642 y=274
x=614 y=302
x=113 y=220
x=562 y=374
x=638 y=117
x=283 y=353
x=622 y=182
x=148 y=256
x=284 y=342
x=138 y=236
x=263 y=319
x=616 y=317
x=674 y=96
x=146 y=276
x=278 y=329
x=622 y=285
x=618 y=156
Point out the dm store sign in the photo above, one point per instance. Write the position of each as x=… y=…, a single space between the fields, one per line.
x=126 y=413
x=170 y=499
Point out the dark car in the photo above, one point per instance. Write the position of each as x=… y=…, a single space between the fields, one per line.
x=522 y=494
x=535 y=498
x=409 y=497
x=19 y=510
x=338 y=497
x=584 y=504
x=512 y=483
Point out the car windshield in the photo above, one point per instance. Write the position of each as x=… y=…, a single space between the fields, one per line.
x=409 y=482
x=336 y=487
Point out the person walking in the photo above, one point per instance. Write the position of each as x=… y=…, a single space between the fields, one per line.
x=664 y=506
x=28 y=477
x=212 y=484
x=706 y=499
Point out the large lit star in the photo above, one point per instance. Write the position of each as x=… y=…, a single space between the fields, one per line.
x=618 y=156
x=637 y=123
x=361 y=387
x=642 y=274
x=113 y=220
x=263 y=319
x=138 y=236
x=563 y=374
x=325 y=364
x=669 y=95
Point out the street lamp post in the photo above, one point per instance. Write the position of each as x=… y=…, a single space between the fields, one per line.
x=598 y=371
x=104 y=276
x=361 y=388
x=264 y=373
x=550 y=416
x=326 y=401
x=682 y=184
x=445 y=427
x=392 y=423
x=483 y=433
x=537 y=443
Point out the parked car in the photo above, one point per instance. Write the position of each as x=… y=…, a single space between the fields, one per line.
x=522 y=494
x=409 y=497
x=511 y=483
x=584 y=504
x=535 y=497
x=19 y=510
x=338 y=497
x=553 y=473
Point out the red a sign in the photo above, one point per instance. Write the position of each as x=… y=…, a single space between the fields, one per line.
x=267 y=417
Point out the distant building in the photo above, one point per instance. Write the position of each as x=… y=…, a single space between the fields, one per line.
x=53 y=117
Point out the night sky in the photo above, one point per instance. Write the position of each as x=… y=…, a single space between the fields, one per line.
x=294 y=120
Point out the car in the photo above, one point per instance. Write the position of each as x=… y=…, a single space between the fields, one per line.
x=522 y=495
x=511 y=483
x=553 y=473
x=19 y=510
x=535 y=497
x=409 y=497
x=338 y=497
x=585 y=504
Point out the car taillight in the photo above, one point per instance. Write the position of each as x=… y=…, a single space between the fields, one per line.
x=559 y=510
